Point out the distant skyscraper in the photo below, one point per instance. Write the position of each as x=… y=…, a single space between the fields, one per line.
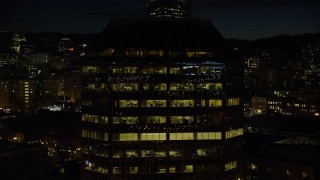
x=4 y=95
x=17 y=41
x=311 y=63
x=161 y=104
x=168 y=8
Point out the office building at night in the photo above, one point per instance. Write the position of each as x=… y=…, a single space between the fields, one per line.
x=161 y=104
x=168 y=8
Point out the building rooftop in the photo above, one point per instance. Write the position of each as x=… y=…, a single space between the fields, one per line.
x=301 y=154
x=8 y=149
x=160 y=33
x=287 y=124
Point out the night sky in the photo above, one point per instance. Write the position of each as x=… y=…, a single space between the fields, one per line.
x=244 y=19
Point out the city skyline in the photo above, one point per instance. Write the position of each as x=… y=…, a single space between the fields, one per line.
x=136 y=89
x=234 y=19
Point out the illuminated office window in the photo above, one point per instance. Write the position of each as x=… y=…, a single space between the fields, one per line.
x=153 y=136
x=131 y=153
x=126 y=103
x=181 y=119
x=91 y=166
x=155 y=87
x=161 y=169
x=153 y=153
x=234 y=133
x=86 y=103
x=252 y=167
x=191 y=54
x=125 y=87
x=90 y=69
x=172 y=169
x=233 y=102
x=108 y=52
x=203 y=102
x=217 y=86
x=154 y=119
x=154 y=70
x=124 y=153
x=135 y=52
x=156 y=53
x=212 y=151
x=202 y=152
x=176 y=70
x=125 y=137
x=103 y=86
x=230 y=165
x=206 y=69
x=117 y=170
x=118 y=154
x=92 y=86
x=199 y=53
x=190 y=70
x=90 y=118
x=125 y=120
x=117 y=70
x=104 y=119
x=181 y=87
x=188 y=168
x=182 y=103
x=205 y=86
x=154 y=103
x=133 y=170
x=209 y=135
x=124 y=70
x=130 y=69
x=182 y=136
x=209 y=86
x=95 y=135
x=215 y=103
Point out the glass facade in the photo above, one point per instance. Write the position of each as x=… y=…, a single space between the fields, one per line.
x=145 y=118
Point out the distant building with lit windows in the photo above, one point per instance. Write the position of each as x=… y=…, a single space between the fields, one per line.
x=168 y=8
x=259 y=105
x=287 y=103
x=5 y=94
x=311 y=65
x=161 y=104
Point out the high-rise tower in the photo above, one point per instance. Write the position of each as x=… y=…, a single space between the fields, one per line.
x=159 y=101
x=168 y=8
